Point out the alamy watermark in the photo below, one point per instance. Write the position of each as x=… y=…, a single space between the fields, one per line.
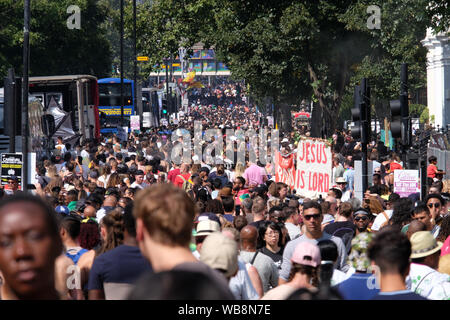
x=373 y=282
x=211 y=147
x=74 y=20
x=74 y=277
x=374 y=21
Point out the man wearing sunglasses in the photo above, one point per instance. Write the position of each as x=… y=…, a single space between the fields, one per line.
x=435 y=204
x=361 y=219
x=312 y=219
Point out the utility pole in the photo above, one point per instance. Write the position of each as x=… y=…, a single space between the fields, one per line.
x=361 y=128
x=135 y=60
x=121 y=65
x=365 y=134
x=26 y=70
x=167 y=86
x=170 y=102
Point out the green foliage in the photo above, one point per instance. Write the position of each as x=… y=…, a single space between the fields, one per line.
x=403 y=26
x=292 y=50
x=438 y=11
x=425 y=116
x=415 y=110
x=54 y=49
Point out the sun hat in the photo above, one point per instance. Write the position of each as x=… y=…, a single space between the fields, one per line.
x=423 y=244
x=306 y=253
x=358 y=255
x=220 y=252
x=341 y=180
x=206 y=227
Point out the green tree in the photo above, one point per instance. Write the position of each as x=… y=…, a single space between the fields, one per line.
x=292 y=50
x=55 y=49
x=403 y=26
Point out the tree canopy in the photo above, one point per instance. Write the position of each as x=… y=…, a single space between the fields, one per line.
x=54 y=48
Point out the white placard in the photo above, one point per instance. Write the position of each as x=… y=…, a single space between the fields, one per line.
x=406 y=182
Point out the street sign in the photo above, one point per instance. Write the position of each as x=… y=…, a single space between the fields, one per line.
x=142 y=58
x=11 y=165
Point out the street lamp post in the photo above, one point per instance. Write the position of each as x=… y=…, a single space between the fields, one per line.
x=26 y=66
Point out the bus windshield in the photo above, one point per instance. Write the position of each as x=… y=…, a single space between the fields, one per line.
x=109 y=94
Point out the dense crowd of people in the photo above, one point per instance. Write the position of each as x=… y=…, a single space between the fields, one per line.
x=129 y=222
x=224 y=93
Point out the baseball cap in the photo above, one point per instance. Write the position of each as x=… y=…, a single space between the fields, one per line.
x=306 y=253
x=361 y=211
x=423 y=244
x=206 y=227
x=358 y=256
x=208 y=216
x=220 y=252
x=14 y=178
x=62 y=209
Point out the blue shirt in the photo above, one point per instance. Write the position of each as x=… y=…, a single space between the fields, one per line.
x=360 y=286
x=349 y=176
x=398 y=295
x=121 y=265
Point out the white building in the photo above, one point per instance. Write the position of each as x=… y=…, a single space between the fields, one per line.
x=438 y=77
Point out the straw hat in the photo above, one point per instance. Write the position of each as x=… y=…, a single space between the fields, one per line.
x=423 y=244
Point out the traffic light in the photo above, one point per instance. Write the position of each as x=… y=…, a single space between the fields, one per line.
x=400 y=120
x=365 y=112
x=13 y=105
x=164 y=109
x=396 y=118
x=404 y=106
x=361 y=112
x=356 y=114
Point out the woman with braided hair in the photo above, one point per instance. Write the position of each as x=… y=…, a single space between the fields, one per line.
x=111 y=234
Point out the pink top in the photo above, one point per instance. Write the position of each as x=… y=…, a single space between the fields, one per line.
x=253 y=175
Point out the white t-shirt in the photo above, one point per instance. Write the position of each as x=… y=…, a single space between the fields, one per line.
x=347 y=195
x=140 y=186
x=338 y=277
x=241 y=286
x=428 y=282
x=380 y=219
x=293 y=230
x=61 y=148
x=104 y=179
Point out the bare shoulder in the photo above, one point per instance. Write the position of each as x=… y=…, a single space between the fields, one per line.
x=63 y=261
x=86 y=259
